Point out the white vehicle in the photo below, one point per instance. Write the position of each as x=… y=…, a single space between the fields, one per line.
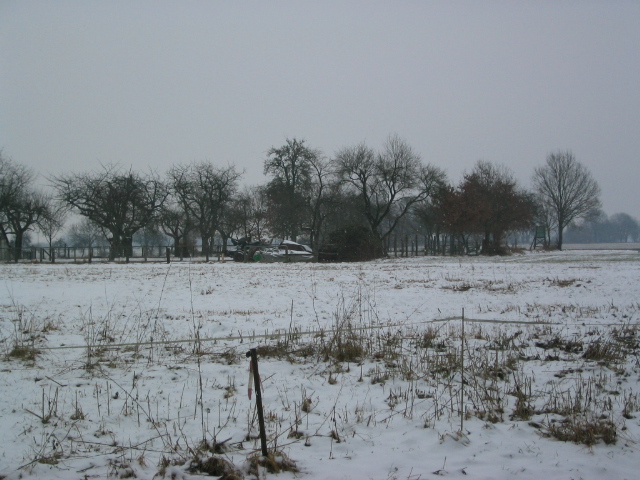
x=287 y=251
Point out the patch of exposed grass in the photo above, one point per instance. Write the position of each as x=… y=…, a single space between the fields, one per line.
x=557 y=342
x=24 y=352
x=605 y=351
x=275 y=462
x=215 y=466
x=584 y=430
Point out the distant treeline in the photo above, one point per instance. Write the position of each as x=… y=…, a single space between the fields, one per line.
x=315 y=199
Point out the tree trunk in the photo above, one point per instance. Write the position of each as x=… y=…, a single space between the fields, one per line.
x=17 y=253
x=128 y=246
x=205 y=247
x=560 y=238
x=176 y=244
x=115 y=249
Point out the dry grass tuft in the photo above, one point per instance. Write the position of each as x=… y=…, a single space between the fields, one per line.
x=604 y=351
x=215 y=466
x=563 y=344
x=275 y=462
x=584 y=430
x=23 y=352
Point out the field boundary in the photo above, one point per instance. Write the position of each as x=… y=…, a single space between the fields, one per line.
x=294 y=334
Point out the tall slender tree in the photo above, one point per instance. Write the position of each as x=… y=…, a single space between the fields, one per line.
x=567 y=189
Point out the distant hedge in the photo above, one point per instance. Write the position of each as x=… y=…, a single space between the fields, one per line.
x=353 y=243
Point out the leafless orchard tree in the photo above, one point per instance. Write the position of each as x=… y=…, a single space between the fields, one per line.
x=567 y=189
x=86 y=233
x=249 y=212
x=52 y=221
x=175 y=222
x=205 y=193
x=119 y=202
x=21 y=207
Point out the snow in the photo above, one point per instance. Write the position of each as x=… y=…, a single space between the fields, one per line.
x=147 y=391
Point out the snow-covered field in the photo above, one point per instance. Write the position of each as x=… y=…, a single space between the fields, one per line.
x=121 y=371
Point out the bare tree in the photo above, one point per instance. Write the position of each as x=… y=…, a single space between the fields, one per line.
x=392 y=181
x=290 y=166
x=150 y=236
x=322 y=199
x=23 y=215
x=625 y=227
x=52 y=221
x=21 y=207
x=249 y=209
x=568 y=188
x=175 y=222
x=86 y=233
x=205 y=192
x=120 y=202
x=14 y=179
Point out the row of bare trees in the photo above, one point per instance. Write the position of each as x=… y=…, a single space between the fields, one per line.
x=490 y=203
x=307 y=196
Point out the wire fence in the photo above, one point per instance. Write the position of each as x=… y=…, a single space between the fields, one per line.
x=153 y=253
x=294 y=334
x=399 y=246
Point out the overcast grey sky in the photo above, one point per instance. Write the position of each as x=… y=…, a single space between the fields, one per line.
x=150 y=84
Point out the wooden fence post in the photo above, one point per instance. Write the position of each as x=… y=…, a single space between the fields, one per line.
x=462 y=375
x=256 y=381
